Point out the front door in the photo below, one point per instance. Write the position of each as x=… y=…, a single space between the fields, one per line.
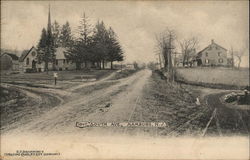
x=34 y=65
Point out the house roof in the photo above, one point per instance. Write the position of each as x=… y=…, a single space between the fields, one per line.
x=13 y=56
x=25 y=54
x=60 y=53
x=198 y=54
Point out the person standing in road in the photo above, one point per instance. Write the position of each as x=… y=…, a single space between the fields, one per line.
x=55 y=76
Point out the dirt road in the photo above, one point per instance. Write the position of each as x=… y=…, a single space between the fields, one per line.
x=141 y=97
x=85 y=103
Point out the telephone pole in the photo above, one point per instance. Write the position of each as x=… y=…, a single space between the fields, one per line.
x=169 y=55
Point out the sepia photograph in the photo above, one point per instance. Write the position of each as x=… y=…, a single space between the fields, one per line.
x=132 y=79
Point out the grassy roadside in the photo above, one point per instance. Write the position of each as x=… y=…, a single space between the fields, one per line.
x=221 y=78
x=173 y=104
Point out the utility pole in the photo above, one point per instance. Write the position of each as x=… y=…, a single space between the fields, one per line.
x=169 y=49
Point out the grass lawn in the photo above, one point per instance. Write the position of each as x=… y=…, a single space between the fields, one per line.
x=62 y=75
x=226 y=76
x=64 y=80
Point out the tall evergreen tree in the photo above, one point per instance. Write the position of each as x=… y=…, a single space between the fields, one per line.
x=66 y=36
x=80 y=51
x=42 y=45
x=115 y=52
x=85 y=39
x=101 y=43
x=46 y=46
x=56 y=34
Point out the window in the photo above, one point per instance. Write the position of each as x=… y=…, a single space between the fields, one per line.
x=27 y=61
x=206 y=61
x=219 y=54
x=206 y=54
x=64 y=61
x=220 y=60
x=56 y=62
x=33 y=53
x=67 y=61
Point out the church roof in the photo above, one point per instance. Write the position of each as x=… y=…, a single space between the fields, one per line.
x=25 y=54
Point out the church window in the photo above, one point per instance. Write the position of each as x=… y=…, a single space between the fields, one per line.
x=27 y=61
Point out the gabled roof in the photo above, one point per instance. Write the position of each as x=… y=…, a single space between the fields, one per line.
x=13 y=56
x=198 y=54
x=25 y=54
x=60 y=53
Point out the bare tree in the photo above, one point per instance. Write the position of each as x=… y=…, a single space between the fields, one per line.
x=231 y=52
x=187 y=46
x=165 y=42
x=238 y=55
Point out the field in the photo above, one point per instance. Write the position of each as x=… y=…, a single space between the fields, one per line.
x=215 y=76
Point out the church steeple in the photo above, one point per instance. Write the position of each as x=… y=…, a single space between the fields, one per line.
x=49 y=22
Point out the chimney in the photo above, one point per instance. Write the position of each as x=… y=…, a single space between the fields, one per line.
x=212 y=41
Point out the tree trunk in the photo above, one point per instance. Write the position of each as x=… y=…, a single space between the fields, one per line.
x=103 y=64
x=85 y=63
x=46 y=67
x=100 y=64
x=111 y=64
x=78 y=66
x=239 y=64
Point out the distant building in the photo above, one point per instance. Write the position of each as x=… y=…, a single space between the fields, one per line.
x=212 y=55
x=29 y=61
x=130 y=66
x=61 y=62
x=9 y=62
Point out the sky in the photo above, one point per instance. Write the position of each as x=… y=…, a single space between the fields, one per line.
x=135 y=22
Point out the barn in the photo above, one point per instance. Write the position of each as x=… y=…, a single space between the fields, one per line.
x=9 y=62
